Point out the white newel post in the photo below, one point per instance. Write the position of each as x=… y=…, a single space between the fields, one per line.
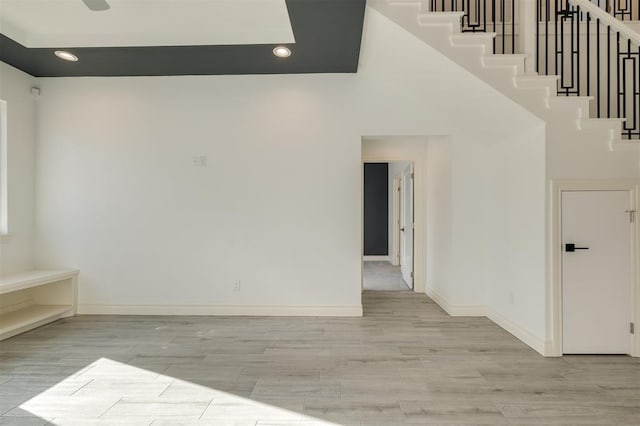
x=527 y=17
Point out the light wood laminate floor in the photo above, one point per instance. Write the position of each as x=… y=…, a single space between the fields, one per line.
x=405 y=362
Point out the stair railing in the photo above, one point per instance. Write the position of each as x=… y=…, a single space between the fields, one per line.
x=625 y=10
x=583 y=42
x=593 y=54
x=497 y=16
x=621 y=9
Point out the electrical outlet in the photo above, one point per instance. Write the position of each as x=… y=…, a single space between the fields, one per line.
x=236 y=286
x=512 y=298
x=199 y=161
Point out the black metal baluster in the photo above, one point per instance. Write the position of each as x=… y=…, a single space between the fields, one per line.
x=502 y=23
x=598 y=66
x=557 y=12
x=465 y=9
x=618 y=72
x=484 y=17
x=493 y=18
x=629 y=96
x=608 y=71
x=622 y=94
x=636 y=97
x=513 y=26
x=538 y=6
x=577 y=52
x=546 y=38
x=588 y=54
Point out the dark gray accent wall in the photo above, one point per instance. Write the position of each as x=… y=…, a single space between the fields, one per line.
x=327 y=33
x=376 y=209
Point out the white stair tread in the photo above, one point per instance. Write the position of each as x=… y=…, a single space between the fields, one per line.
x=625 y=145
x=473 y=36
x=533 y=78
x=439 y=16
x=506 y=56
x=605 y=120
x=575 y=98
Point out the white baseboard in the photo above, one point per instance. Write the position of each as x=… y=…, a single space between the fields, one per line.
x=375 y=258
x=531 y=340
x=223 y=310
x=525 y=336
x=457 y=310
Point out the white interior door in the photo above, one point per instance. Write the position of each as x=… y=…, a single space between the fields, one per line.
x=406 y=228
x=596 y=272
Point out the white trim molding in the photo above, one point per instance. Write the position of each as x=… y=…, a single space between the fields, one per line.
x=457 y=310
x=554 y=289
x=375 y=258
x=223 y=310
x=525 y=336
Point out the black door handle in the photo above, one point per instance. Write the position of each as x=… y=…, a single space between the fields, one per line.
x=402 y=229
x=570 y=248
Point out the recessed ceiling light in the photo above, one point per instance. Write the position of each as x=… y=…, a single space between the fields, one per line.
x=282 y=52
x=67 y=56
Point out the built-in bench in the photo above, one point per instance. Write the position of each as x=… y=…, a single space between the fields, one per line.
x=31 y=299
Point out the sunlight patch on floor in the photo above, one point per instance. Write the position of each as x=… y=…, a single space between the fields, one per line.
x=110 y=392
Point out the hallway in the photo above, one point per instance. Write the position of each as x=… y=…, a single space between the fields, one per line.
x=383 y=276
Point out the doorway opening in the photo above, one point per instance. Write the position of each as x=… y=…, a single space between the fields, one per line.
x=389 y=226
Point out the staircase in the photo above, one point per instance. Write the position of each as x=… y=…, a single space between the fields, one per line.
x=568 y=118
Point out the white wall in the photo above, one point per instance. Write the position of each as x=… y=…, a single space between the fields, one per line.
x=440 y=219
x=278 y=206
x=514 y=251
x=17 y=252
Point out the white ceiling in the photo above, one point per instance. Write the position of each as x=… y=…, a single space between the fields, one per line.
x=69 y=23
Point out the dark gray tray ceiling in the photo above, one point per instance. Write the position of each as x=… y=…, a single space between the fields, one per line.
x=327 y=33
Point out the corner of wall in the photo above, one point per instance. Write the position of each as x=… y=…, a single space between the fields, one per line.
x=543 y=347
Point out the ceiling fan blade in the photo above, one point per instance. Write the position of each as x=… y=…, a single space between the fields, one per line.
x=97 y=5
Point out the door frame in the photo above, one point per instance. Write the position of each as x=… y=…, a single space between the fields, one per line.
x=554 y=310
x=394 y=256
x=419 y=216
x=407 y=173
